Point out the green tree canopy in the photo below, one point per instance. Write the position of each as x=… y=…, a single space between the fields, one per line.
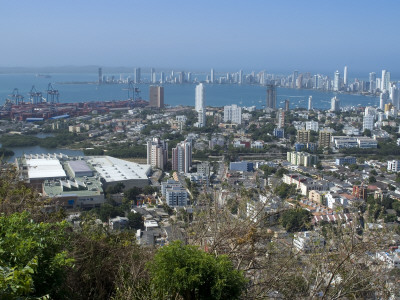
x=32 y=259
x=187 y=272
x=296 y=220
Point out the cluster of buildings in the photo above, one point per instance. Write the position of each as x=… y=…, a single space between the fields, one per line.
x=80 y=182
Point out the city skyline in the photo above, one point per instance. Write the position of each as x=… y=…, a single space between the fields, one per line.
x=216 y=35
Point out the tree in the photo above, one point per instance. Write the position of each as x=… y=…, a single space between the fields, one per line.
x=118 y=188
x=371 y=179
x=285 y=190
x=367 y=132
x=296 y=220
x=184 y=271
x=280 y=172
x=135 y=220
x=373 y=172
x=32 y=256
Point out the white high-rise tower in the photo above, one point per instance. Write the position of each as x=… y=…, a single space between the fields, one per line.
x=199 y=101
x=345 y=76
x=394 y=95
x=200 y=105
x=336 y=82
x=335 y=104
x=310 y=103
x=385 y=81
x=212 y=78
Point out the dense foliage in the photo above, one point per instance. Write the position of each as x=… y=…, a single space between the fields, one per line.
x=61 y=139
x=32 y=256
x=296 y=220
x=187 y=272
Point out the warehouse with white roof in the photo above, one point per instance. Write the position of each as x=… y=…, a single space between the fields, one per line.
x=43 y=168
x=113 y=170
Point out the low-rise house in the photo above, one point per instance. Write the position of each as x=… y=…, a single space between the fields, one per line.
x=308 y=240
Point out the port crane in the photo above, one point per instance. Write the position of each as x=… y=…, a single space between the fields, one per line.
x=16 y=97
x=35 y=96
x=133 y=92
x=52 y=94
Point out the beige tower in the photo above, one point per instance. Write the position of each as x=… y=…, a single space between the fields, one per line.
x=156 y=96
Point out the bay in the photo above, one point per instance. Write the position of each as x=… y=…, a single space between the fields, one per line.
x=175 y=94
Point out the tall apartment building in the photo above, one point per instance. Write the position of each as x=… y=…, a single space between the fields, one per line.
x=335 y=104
x=182 y=157
x=281 y=118
x=174 y=193
x=303 y=136
x=302 y=158
x=368 y=122
x=287 y=105
x=157 y=153
x=393 y=166
x=312 y=125
x=156 y=96
x=336 y=81
x=271 y=96
x=324 y=139
x=137 y=75
x=385 y=81
x=233 y=113
x=200 y=105
x=100 y=76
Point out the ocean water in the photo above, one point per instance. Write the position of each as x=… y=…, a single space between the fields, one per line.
x=174 y=94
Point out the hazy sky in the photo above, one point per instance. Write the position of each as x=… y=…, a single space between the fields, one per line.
x=227 y=35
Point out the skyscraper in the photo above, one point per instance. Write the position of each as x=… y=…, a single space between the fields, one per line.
x=162 y=77
x=336 y=81
x=212 y=78
x=271 y=96
x=310 y=107
x=345 y=76
x=372 y=82
x=200 y=105
x=316 y=82
x=394 y=95
x=294 y=78
x=385 y=81
x=153 y=75
x=383 y=99
x=201 y=117
x=233 y=113
x=335 y=104
x=182 y=157
x=157 y=153
x=137 y=75
x=100 y=75
x=156 y=96
x=287 y=105
x=200 y=98
x=240 y=81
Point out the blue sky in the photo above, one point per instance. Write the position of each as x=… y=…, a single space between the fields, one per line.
x=276 y=36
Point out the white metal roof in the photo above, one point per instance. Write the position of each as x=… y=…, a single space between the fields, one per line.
x=114 y=169
x=42 y=168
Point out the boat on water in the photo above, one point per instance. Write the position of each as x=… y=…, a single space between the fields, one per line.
x=43 y=75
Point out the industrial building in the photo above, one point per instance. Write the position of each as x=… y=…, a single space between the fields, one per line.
x=113 y=170
x=79 y=182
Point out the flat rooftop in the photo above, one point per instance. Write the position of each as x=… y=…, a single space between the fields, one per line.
x=114 y=169
x=42 y=168
x=79 y=166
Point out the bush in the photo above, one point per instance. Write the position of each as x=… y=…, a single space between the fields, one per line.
x=187 y=272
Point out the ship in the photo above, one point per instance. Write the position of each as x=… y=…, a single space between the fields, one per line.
x=43 y=75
